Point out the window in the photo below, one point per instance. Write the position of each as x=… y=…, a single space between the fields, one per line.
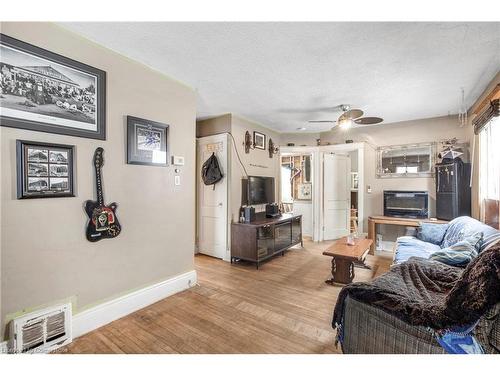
x=489 y=162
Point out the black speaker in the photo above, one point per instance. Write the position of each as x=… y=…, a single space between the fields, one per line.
x=272 y=210
x=453 y=192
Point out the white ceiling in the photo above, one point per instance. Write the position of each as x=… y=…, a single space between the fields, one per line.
x=283 y=74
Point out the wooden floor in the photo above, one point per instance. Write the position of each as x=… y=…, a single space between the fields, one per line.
x=284 y=307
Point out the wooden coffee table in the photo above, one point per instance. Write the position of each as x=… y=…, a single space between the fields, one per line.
x=345 y=257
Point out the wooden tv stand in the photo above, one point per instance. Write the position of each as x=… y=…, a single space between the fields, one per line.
x=265 y=237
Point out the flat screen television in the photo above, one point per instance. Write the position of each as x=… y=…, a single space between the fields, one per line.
x=257 y=190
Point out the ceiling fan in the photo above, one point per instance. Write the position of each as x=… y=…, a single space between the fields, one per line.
x=349 y=117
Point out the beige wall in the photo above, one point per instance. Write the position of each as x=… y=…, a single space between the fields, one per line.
x=215 y=125
x=300 y=139
x=426 y=130
x=45 y=256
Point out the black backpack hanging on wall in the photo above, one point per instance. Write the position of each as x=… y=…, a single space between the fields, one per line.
x=210 y=171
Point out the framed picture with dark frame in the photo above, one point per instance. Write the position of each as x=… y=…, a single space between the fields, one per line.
x=147 y=142
x=44 y=170
x=47 y=92
x=259 y=140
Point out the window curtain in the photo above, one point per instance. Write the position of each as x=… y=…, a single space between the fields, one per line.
x=489 y=163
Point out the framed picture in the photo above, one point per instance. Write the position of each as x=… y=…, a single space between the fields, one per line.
x=146 y=142
x=46 y=92
x=44 y=170
x=304 y=191
x=259 y=140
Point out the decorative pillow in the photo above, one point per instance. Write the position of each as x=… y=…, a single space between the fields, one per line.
x=464 y=226
x=433 y=233
x=459 y=254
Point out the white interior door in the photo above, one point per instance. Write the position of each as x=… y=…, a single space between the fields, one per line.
x=336 y=196
x=213 y=203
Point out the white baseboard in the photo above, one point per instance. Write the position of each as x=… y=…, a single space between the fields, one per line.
x=105 y=313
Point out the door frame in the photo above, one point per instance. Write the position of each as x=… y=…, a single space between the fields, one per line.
x=318 y=153
x=224 y=138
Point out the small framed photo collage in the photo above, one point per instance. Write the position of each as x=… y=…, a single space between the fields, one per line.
x=44 y=170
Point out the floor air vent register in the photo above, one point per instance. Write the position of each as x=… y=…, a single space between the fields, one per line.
x=41 y=331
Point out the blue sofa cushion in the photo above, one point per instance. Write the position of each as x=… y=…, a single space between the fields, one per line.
x=407 y=247
x=465 y=226
x=459 y=254
x=431 y=232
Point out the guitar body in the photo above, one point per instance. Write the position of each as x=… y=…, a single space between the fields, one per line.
x=103 y=222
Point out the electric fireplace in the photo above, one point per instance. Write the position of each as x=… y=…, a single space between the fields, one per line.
x=411 y=204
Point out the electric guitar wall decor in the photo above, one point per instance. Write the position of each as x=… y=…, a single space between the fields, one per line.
x=103 y=222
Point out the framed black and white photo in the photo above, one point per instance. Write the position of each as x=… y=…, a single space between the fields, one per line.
x=259 y=140
x=146 y=142
x=47 y=92
x=44 y=170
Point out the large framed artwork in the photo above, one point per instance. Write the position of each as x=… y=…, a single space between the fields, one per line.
x=47 y=92
x=147 y=142
x=44 y=170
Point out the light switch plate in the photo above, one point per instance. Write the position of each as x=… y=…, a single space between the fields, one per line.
x=177 y=180
x=177 y=160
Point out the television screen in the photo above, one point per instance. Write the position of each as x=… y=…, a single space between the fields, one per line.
x=260 y=190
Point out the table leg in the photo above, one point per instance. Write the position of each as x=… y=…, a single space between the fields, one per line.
x=372 y=235
x=342 y=271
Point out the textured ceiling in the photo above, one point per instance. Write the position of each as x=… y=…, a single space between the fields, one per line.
x=284 y=74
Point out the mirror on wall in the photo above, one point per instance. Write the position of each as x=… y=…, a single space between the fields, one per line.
x=414 y=160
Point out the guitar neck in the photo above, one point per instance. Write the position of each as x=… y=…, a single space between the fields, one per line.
x=98 y=181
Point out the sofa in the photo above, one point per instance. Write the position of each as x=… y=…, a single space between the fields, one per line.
x=367 y=329
x=453 y=232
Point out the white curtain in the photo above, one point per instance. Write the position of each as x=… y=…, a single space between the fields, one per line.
x=489 y=162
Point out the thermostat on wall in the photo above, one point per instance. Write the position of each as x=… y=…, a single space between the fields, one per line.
x=177 y=160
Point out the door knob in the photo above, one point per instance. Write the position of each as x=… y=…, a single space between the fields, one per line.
x=220 y=204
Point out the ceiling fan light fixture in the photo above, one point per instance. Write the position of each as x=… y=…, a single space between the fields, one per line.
x=345 y=123
x=301 y=128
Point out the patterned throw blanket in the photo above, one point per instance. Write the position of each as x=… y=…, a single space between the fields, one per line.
x=431 y=294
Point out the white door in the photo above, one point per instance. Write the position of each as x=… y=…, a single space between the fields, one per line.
x=213 y=202
x=336 y=196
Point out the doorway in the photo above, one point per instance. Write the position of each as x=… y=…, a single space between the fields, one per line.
x=297 y=188
x=352 y=182
x=212 y=200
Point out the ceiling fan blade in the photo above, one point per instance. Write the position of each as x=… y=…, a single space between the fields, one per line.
x=368 y=120
x=353 y=113
x=321 y=121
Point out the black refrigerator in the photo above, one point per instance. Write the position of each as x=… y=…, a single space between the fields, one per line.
x=453 y=192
